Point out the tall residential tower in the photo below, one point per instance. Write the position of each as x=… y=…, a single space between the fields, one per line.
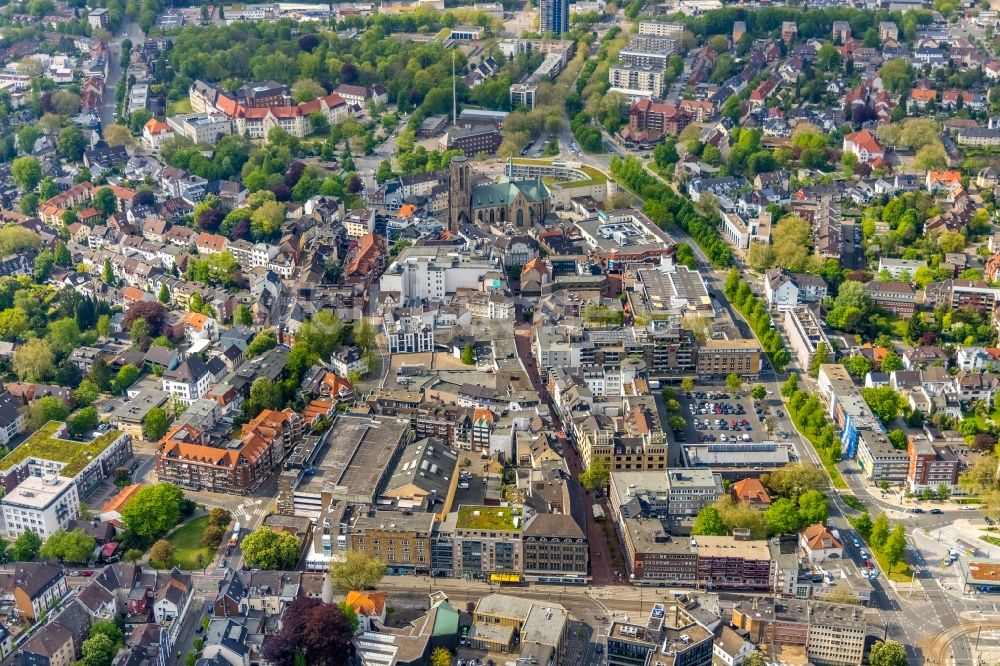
x=554 y=16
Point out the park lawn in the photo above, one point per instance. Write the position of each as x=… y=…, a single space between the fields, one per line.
x=983 y=423
x=901 y=573
x=179 y=106
x=187 y=540
x=899 y=327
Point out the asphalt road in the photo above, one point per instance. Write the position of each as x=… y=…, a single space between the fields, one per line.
x=131 y=30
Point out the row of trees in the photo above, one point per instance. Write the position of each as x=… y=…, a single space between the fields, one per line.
x=756 y=313
x=810 y=418
x=884 y=538
x=666 y=208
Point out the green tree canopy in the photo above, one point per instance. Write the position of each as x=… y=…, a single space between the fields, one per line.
x=45 y=409
x=708 y=522
x=267 y=549
x=356 y=571
x=596 y=475
x=884 y=401
x=26 y=172
x=71 y=547
x=26 y=546
x=98 y=650
x=163 y=554
x=153 y=510
x=782 y=516
x=813 y=508
x=895 y=545
x=154 y=426
x=264 y=341
x=888 y=653
x=84 y=420
x=879 y=531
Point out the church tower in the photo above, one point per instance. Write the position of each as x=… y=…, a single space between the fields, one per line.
x=459 y=192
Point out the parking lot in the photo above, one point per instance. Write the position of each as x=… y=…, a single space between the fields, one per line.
x=723 y=417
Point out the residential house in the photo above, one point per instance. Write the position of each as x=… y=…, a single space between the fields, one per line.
x=971 y=387
x=200 y=328
x=32 y=588
x=155 y=133
x=730 y=648
x=348 y=359
x=750 y=492
x=864 y=146
x=189 y=381
x=171 y=601
x=368 y=606
x=12 y=421
x=819 y=543
x=52 y=645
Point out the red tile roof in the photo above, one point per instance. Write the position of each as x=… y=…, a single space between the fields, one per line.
x=866 y=140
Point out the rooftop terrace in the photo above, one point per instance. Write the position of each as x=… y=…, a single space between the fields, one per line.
x=471 y=517
x=46 y=444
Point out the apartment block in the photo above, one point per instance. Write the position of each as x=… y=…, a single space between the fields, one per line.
x=186 y=459
x=931 y=465
x=43 y=505
x=658 y=29
x=719 y=358
x=675 y=495
x=555 y=548
x=733 y=562
x=653 y=557
x=849 y=411
x=487 y=542
x=645 y=79
x=805 y=334
x=671 y=636
x=401 y=539
x=667 y=44
x=835 y=633
x=896 y=297
x=879 y=460
x=49 y=452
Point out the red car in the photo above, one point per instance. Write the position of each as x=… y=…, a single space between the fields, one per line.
x=86 y=574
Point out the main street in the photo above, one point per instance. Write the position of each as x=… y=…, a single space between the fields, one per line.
x=601 y=558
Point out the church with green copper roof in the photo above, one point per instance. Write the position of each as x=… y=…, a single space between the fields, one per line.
x=516 y=203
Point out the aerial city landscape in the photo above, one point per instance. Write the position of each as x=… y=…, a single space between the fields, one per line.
x=500 y=333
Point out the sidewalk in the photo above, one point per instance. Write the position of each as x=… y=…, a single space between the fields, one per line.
x=896 y=499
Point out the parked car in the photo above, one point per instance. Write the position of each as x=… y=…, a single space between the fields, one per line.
x=937 y=512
